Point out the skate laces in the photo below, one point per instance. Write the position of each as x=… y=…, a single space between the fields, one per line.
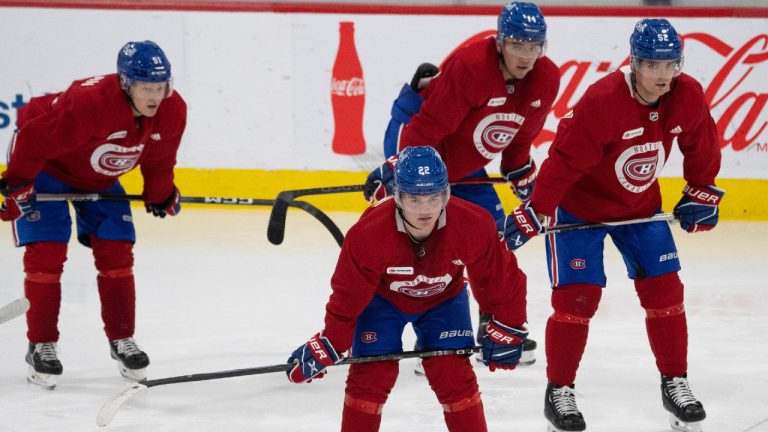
x=564 y=399
x=680 y=392
x=46 y=351
x=128 y=347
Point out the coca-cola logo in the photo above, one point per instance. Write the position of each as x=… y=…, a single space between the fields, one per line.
x=738 y=106
x=351 y=87
x=114 y=160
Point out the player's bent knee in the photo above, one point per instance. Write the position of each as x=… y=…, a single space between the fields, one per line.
x=45 y=260
x=575 y=303
x=362 y=405
x=463 y=404
x=452 y=378
x=112 y=257
x=661 y=295
x=372 y=381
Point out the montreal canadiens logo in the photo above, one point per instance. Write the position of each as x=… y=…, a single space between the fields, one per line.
x=578 y=264
x=422 y=286
x=368 y=337
x=114 y=160
x=638 y=166
x=495 y=132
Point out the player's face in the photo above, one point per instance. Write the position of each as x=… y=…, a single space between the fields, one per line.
x=147 y=96
x=653 y=78
x=519 y=57
x=422 y=211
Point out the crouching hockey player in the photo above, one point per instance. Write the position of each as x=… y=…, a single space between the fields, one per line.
x=403 y=262
x=603 y=166
x=83 y=140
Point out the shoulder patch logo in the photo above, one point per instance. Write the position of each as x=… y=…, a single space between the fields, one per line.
x=633 y=133
x=676 y=130
x=499 y=101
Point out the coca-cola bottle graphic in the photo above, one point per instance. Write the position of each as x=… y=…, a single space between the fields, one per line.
x=347 y=95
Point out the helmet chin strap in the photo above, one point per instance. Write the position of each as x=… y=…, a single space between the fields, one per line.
x=633 y=79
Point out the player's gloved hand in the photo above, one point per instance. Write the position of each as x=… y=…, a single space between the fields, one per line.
x=519 y=226
x=311 y=359
x=380 y=181
x=502 y=345
x=171 y=206
x=522 y=180
x=698 y=208
x=18 y=200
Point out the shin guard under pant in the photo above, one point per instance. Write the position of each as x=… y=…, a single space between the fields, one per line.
x=368 y=387
x=43 y=265
x=567 y=329
x=454 y=382
x=665 y=322
x=114 y=261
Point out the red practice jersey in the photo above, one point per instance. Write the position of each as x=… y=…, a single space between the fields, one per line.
x=87 y=137
x=609 y=152
x=470 y=114
x=378 y=257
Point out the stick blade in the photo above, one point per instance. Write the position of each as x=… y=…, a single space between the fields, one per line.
x=13 y=309
x=109 y=409
x=276 y=225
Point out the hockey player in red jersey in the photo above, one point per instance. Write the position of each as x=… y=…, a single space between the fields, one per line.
x=403 y=262
x=491 y=97
x=603 y=166
x=83 y=140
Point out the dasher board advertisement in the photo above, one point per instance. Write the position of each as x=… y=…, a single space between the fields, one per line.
x=260 y=86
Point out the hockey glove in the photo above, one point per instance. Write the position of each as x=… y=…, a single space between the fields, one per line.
x=698 y=208
x=380 y=181
x=502 y=345
x=519 y=226
x=311 y=359
x=18 y=200
x=171 y=206
x=522 y=180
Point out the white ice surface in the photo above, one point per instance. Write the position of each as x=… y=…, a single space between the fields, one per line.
x=214 y=295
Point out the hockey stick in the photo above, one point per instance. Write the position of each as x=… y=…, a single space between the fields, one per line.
x=659 y=217
x=276 y=226
x=13 y=309
x=307 y=207
x=109 y=409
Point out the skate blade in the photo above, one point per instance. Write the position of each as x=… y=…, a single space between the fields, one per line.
x=42 y=380
x=681 y=426
x=132 y=374
x=419 y=370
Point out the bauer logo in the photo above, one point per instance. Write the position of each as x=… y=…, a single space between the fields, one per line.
x=578 y=264
x=368 y=337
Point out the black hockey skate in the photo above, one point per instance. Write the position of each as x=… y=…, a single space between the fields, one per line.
x=529 y=345
x=561 y=410
x=44 y=364
x=686 y=412
x=131 y=360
